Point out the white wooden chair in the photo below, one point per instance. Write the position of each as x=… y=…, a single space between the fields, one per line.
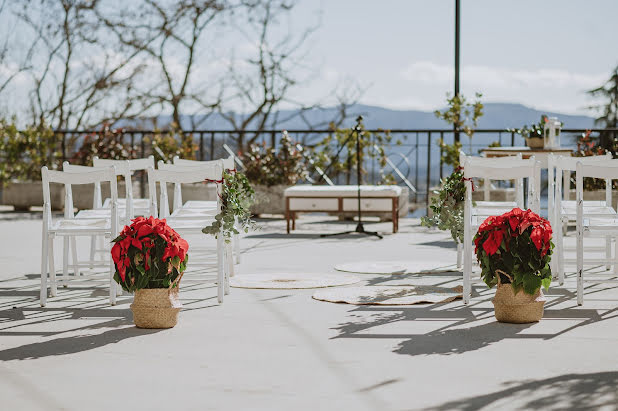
x=486 y=205
x=562 y=210
x=204 y=206
x=591 y=224
x=70 y=226
x=194 y=225
x=511 y=169
x=139 y=206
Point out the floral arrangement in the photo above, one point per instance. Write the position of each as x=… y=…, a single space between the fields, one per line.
x=149 y=254
x=447 y=207
x=236 y=199
x=515 y=248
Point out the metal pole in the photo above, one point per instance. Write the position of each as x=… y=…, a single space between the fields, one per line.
x=457 y=28
x=428 y=169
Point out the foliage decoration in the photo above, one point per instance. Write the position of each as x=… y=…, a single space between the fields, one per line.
x=269 y=167
x=236 y=199
x=108 y=143
x=519 y=244
x=447 y=206
x=149 y=254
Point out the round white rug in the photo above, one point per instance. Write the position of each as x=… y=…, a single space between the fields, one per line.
x=389 y=295
x=427 y=267
x=291 y=281
x=372 y=267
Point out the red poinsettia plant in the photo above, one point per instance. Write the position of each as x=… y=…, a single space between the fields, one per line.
x=515 y=248
x=149 y=254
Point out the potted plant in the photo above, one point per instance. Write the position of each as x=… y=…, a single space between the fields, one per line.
x=514 y=251
x=271 y=171
x=533 y=134
x=237 y=196
x=150 y=259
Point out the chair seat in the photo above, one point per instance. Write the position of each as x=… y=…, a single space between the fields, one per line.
x=73 y=225
x=496 y=204
x=601 y=225
x=194 y=213
x=189 y=223
x=192 y=204
x=138 y=203
x=568 y=209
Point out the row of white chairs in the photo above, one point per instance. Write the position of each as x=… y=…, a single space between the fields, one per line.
x=590 y=218
x=102 y=223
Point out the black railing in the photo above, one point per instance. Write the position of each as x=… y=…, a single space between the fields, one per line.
x=414 y=152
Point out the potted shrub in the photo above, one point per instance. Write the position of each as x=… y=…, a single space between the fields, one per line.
x=533 y=134
x=514 y=251
x=150 y=259
x=272 y=171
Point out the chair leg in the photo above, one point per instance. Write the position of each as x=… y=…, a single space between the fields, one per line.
x=616 y=255
x=65 y=260
x=93 y=247
x=560 y=256
x=237 y=249
x=75 y=259
x=229 y=268
x=44 y=252
x=112 y=283
x=608 y=251
x=52 y=268
x=220 y=274
x=467 y=272
x=459 y=254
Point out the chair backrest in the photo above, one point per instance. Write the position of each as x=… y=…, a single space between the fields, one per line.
x=606 y=170
x=519 y=186
x=133 y=164
x=507 y=169
x=179 y=176
x=121 y=169
x=207 y=165
x=559 y=170
x=88 y=176
x=228 y=163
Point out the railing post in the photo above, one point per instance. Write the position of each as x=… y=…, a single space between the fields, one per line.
x=273 y=139
x=201 y=146
x=212 y=145
x=512 y=139
x=428 y=168
x=441 y=152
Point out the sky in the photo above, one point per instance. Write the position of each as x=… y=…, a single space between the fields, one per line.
x=541 y=53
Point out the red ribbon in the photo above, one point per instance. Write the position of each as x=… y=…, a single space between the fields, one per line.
x=470 y=180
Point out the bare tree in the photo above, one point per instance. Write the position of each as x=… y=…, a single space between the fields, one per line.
x=79 y=80
x=169 y=34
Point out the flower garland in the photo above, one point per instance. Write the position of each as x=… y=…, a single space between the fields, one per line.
x=149 y=254
x=236 y=199
x=518 y=243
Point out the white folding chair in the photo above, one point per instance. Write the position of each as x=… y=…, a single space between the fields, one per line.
x=591 y=224
x=486 y=205
x=70 y=226
x=562 y=210
x=139 y=206
x=511 y=169
x=195 y=224
x=202 y=205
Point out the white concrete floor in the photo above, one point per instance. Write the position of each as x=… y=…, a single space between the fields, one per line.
x=282 y=350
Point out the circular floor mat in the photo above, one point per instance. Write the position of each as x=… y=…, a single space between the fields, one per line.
x=291 y=281
x=427 y=267
x=372 y=267
x=390 y=295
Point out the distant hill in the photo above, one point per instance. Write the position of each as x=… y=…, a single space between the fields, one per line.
x=497 y=115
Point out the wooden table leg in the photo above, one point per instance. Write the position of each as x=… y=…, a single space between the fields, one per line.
x=395 y=214
x=293 y=220
x=287 y=214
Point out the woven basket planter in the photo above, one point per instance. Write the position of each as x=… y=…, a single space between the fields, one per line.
x=520 y=308
x=156 y=308
x=535 y=142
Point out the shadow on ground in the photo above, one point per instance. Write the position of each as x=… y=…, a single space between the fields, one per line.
x=467 y=328
x=570 y=391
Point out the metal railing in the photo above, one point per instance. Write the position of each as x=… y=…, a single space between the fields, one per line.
x=413 y=157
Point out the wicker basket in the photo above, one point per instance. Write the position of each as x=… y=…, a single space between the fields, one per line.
x=156 y=308
x=535 y=142
x=520 y=308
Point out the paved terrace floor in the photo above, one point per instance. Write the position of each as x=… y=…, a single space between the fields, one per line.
x=282 y=350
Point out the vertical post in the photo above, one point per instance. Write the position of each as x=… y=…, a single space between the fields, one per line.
x=273 y=139
x=142 y=182
x=428 y=168
x=457 y=28
x=416 y=170
x=512 y=138
x=441 y=163
x=212 y=145
x=201 y=146
x=63 y=146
